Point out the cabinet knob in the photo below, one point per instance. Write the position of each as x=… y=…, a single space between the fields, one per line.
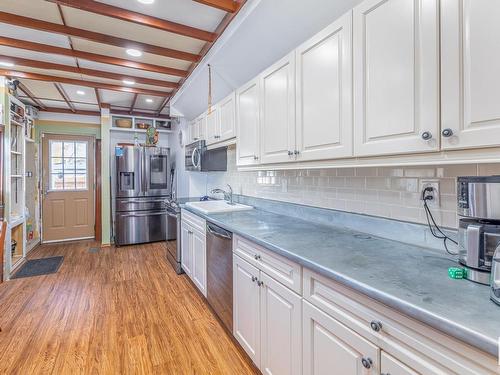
x=385 y=373
x=296 y=152
x=426 y=135
x=290 y=153
x=376 y=325
x=257 y=257
x=254 y=278
x=366 y=362
x=447 y=132
x=255 y=157
x=260 y=283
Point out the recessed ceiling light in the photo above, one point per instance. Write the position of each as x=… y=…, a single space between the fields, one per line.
x=129 y=81
x=80 y=92
x=134 y=52
x=6 y=63
x=146 y=1
x=149 y=100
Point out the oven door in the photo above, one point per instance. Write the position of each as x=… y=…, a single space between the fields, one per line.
x=140 y=227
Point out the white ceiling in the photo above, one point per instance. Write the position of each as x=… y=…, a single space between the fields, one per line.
x=272 y=29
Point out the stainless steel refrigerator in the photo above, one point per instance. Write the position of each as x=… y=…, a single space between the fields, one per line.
x=142 y=184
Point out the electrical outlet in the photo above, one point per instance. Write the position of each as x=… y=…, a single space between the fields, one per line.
x=434 y=184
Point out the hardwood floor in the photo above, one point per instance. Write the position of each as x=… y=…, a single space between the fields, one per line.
x=118 y=311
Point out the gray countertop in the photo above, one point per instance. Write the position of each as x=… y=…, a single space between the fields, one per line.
x=411 y=279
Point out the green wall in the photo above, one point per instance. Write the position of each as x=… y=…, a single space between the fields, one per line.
x=62 y=127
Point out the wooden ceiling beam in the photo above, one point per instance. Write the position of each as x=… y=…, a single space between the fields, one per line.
x=77 y=82
x=229 y=6
x=30 y=95
x=88 y=72
x=32 y=23
x=97 y=113
x=163 y=104
x=138 y=18
x=133 y=103
x=65 y=96
x=45 y=48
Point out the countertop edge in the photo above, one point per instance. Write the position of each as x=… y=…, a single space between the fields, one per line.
x=439 y=323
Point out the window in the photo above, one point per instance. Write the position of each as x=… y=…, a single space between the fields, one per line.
x=68 y=165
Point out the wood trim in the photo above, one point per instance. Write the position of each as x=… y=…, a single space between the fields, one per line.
x=219 y=30
x=78 y=82
x=97 y=113
x=3 y=234
x=163 y=104
x=138 y=18
x=30 y=95
x=65 y=96
x=45 y=48
x=98 y=190
x=133 y=104
x=32 y=23
x=98 y=97
x=88 y=72
x=229 y=6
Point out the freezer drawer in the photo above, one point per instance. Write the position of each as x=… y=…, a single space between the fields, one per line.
x=140 y=227
x=140 y=204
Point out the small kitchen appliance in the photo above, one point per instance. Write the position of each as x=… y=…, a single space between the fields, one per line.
x=198 y=158
x=495 y=277
x=478 y=204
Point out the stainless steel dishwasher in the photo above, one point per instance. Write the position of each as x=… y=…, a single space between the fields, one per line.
x=220 y=273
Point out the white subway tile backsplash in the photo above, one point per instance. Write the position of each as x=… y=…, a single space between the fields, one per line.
x=392 y=192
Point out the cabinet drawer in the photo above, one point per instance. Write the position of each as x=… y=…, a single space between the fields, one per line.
x=280 y=268
x=420 y=347
x=195 y=221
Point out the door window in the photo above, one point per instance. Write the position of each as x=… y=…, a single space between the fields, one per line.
x=159 y=173
x=68 y=165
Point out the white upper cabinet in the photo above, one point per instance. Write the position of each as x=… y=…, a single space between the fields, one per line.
x=201 y=127
x=396 y=77
x=470 y=75
x=227 y=118
x=277 y=111
x=247 y=124
x=213 y=126
x=324 y=93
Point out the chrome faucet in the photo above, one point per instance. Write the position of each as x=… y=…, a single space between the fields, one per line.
x=228 y=195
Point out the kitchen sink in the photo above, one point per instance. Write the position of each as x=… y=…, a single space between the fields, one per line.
x=219 y=206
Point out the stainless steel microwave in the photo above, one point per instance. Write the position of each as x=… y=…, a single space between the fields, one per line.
x=199 y=159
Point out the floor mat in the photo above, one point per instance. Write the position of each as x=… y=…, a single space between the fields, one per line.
x=38 y=267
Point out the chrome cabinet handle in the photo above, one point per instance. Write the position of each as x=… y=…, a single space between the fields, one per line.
x=290 y=153
x=255 y=157
x=376 y=325
x=254 y=279
x=257 y=257
x=260 y=283
x=296 y=152
x=366 y=362
x=426 y=135
x=447 y=132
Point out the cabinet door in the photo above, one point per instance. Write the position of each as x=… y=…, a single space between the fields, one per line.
x=201 y=127
x=199 y=268
x=246 y=310
x=192 y=132
x=213 y=126
x=227 y=118
x=396 y=76
x=332 y=348
x=470 y=81
x=281 y=322
x=391 y=366
x=324 y=93
x=186 y=251
x=247 y=124
x=277 y=111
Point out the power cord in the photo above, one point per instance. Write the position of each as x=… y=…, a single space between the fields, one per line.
x=434 y=228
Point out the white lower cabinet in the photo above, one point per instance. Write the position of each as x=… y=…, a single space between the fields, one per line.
x=332 y=348
x=391 y=366
x=267 y=320
x=246 y=312
x=194 y=255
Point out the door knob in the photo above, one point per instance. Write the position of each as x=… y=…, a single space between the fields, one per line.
x=447 y=132
x=426 y=135
x=366 y=362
